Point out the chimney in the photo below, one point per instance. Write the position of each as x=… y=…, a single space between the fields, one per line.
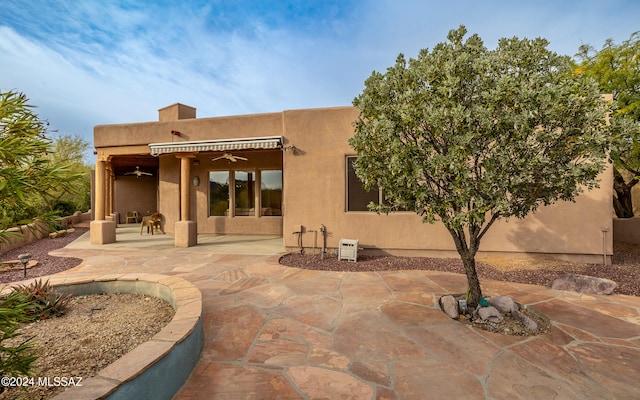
x=175 y=112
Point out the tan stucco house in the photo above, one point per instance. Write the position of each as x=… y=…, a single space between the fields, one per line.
x=289 y=174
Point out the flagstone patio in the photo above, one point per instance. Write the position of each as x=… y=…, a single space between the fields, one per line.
x=274 y=332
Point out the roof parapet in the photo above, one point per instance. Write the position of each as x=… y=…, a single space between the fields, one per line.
x=176 y=112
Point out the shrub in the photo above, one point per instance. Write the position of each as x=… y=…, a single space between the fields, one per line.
x=45 y=300
x=26 y=303
x=64 y=208
x=15 y=361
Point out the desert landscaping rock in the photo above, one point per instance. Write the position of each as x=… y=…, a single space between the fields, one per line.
x=449 y=305
x=504 y=304
x=528 y=323
x=584 y=284
x=490 y=314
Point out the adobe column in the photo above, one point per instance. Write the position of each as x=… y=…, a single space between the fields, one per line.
x=101 y=231
x=110 y=213
x=186 y=231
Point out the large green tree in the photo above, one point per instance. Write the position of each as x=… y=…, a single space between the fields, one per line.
x=467 y=135
x=70 y=150
x=28 y=177
x=616 y=68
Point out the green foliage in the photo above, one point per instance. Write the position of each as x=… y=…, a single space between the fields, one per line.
x=44 y=299
x=14 y=360
x=26 y=303
x=616 y=68
x=69 y=150
x=64 y=207
x=467 y=135
x=29 y=178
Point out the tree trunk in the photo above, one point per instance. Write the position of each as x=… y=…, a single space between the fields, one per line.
x=622 y=202
x=467 y=253
x=475 y=292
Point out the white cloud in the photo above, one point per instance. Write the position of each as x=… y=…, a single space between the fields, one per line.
x=85 y=64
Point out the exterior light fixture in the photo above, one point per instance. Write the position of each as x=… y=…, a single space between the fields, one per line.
x=196 y=180
x=175 y=133
x=24 y=259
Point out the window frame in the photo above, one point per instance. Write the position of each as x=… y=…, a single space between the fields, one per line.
x=251 y=192
x=281 y=191
x=231 y=211
x=227 y=212
x=380 y=197
x=348 y=159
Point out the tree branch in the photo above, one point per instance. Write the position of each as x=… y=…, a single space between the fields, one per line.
x=494 y=218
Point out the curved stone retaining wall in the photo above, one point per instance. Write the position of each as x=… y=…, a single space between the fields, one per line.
x=158 y=368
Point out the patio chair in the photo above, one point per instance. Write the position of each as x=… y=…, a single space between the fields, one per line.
x=152 y=222
x=132 y=215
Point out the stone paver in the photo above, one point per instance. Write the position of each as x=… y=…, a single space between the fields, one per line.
x=273 y=332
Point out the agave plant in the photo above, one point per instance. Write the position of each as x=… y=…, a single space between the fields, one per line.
x=45 y=300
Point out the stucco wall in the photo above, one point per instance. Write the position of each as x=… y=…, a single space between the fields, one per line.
x=169 y=191
x=635 y=197
x=135 y=194
x=315 y=195
x=143 y=133
x=314 y=186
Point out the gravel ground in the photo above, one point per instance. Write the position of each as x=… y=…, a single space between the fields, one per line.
x=96 y=331
x=39 y=250
x=625 y=269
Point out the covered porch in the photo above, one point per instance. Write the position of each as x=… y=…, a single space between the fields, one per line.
x=220 y=186
x=129 y=238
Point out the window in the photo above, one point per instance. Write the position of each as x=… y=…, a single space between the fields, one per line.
x=218 y=193
x=357 y=197
x=271 y=192
x=245 y=187
x=244 y=193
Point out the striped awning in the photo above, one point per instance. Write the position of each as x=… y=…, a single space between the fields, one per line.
x=253 y=143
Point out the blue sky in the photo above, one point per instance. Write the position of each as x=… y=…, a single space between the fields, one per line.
x=86 y=63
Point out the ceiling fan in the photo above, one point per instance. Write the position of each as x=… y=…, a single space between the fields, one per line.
x=138 y=173
x=229 y=157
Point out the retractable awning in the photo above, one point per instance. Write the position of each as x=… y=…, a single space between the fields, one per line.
x=253 y=143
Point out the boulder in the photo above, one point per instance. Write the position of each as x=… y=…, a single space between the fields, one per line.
x=504 y=304
x=528 y=323
x=584 y=284
x=449 y=305
x=490 y=314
